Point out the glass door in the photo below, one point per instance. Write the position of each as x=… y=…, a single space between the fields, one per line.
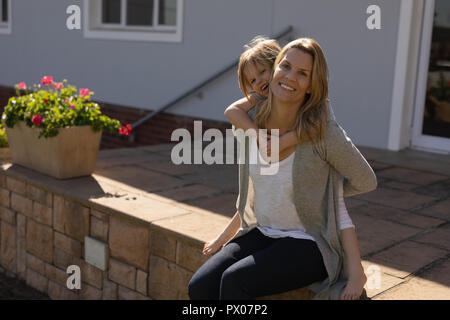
x=431 y=127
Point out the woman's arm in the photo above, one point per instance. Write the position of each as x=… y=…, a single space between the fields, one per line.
x=341 y=153
x=230 y=230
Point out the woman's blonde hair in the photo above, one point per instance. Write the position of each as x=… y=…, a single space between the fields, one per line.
x=259 y=50
x=312 y=116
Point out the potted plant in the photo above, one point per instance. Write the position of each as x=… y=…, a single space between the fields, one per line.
x=55 y=129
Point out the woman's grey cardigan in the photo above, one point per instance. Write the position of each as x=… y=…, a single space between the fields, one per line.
x=316 y=173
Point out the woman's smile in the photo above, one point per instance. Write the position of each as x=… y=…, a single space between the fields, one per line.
x=286 y=87
x=292 y=76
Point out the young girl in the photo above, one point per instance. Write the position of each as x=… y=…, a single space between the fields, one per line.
x=254 y=72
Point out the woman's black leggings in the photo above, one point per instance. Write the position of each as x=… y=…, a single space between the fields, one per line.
x=254 y=265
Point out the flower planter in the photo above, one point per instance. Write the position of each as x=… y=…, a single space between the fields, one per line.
x=5 y=154
x=72 y=153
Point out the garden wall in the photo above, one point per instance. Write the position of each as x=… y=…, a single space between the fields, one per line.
x=43 y=230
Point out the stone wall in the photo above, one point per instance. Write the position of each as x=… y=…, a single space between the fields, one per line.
x=43 y=232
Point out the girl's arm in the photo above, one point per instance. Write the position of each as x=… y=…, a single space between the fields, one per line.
x=236 y=113
x=288 y=139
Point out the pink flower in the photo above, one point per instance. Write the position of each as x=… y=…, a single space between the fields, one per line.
x=21 y=85
x=45 y=100
x=84 y=92
x=46 y=81
x=72 y=106
x=58 y=85
x=37 y=119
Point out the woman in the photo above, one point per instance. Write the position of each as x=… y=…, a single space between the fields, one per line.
x=289 y=235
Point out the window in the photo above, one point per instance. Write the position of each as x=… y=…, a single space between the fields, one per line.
x=144 y=20
x=5 y=16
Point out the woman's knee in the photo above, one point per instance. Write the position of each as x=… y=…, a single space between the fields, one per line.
x=231 y=286
x=204 y=284
x=193 y=289
x=198 y=289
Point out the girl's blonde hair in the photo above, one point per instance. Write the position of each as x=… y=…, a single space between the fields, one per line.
x=312 y=116
x=259 y=50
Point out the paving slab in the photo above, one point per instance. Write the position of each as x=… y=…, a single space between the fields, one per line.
x=439 y=210
x=410 y=176
x=140 y=178
x=378 y=280
x=376 y=165
x=142 y=208
x=399 y=185
x=433 y=284
x=168 y=167
x=439 y=237
x=403 y=217
x=189 y=192
x=224 y=179
x=200 y=226
x=395 y=198
x=141 y=158
x=376 y=234
x=224 y=204
x=411 y=159
x=439 y=189
x=407 y=257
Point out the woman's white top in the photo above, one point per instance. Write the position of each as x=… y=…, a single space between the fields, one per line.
x=274 y=206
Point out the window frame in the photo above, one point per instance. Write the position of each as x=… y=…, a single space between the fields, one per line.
x=5 y=27
x=95 y=28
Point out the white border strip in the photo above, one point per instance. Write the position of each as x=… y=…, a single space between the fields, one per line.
x=401 y=64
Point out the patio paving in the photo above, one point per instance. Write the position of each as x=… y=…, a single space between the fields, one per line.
x=403 y=226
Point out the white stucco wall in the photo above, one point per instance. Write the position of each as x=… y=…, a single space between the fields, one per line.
x=149 y=74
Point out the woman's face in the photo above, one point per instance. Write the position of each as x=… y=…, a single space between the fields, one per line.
x=258 y=77
x=292 y=77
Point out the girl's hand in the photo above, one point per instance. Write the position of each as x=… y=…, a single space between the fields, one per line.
x=264 y=145
x=212 y=247
x=284 y=142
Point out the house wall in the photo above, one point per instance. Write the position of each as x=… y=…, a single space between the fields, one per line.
x=149 y=74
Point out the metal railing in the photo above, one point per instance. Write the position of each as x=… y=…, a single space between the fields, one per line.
x=195 y=89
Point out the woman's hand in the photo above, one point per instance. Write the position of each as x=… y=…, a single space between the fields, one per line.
x=212 y=247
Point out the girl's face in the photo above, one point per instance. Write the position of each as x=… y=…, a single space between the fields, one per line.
x=292 y=77
x=258 y=77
